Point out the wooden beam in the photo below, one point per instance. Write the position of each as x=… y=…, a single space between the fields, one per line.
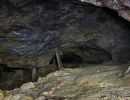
x=34 y=71
x=58 y=58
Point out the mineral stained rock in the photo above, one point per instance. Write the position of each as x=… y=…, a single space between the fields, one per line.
x=29 y=33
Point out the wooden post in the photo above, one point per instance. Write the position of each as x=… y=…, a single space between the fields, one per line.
x=34 y=71
x=58 y=58
x=34 y=68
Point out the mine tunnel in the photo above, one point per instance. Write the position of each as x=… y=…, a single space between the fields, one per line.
x=71 y=57
x=79 y=55
x=85 y=34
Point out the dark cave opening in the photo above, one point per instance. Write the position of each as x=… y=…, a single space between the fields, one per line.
x=71 y=57
x=80 y=55
x=11 y=78
x=68 y=58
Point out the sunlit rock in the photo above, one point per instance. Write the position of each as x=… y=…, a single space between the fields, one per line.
x=2 y=95
x=27 y=86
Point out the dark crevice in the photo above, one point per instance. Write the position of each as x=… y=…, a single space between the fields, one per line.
x=11 y=78
x=71 y=57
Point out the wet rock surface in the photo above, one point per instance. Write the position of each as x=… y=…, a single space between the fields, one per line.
x=29 y=33
x=94 y=82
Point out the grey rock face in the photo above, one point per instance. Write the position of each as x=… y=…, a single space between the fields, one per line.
x=18 y=3
x=33 y=31
x=120 y=6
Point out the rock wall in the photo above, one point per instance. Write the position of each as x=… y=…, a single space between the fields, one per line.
x=29 y=31
x=121 y=6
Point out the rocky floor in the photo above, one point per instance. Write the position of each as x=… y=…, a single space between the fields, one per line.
x=91 y=82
